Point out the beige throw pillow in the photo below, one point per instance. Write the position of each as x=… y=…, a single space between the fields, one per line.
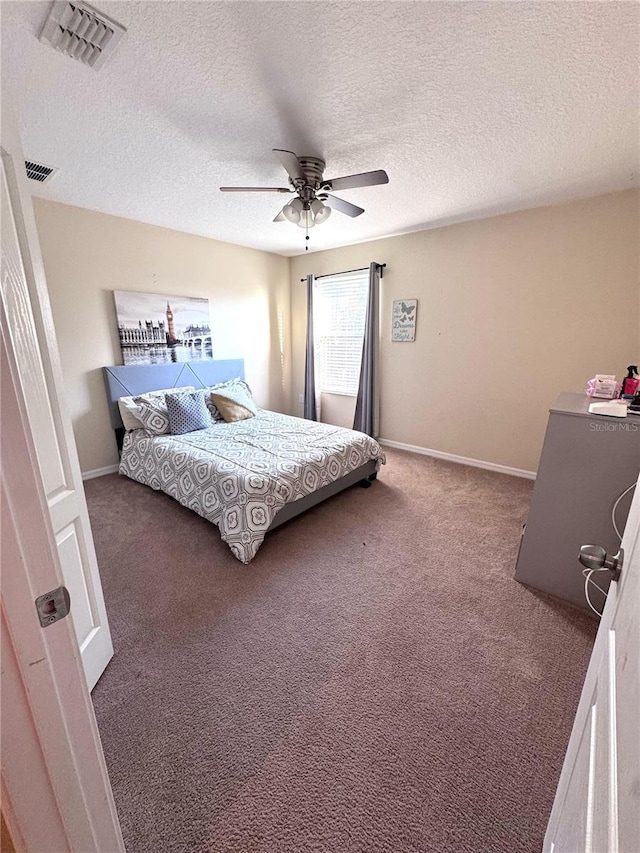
x=233 y=389
x=231 y=410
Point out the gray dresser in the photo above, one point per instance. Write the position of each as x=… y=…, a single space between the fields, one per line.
x=587 y=461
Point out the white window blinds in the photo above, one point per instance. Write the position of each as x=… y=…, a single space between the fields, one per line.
x=339 y=310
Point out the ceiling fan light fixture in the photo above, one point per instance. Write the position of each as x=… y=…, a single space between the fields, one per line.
x=321 y=212
x=293 y=211
x=306 y=214
x=307 y=219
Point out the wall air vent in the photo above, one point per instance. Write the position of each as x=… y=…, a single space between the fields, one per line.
x=81 y=32
x=39 y=172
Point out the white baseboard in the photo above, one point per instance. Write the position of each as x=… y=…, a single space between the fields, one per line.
x=462 y=460
x=413 y=448
x=99 y=472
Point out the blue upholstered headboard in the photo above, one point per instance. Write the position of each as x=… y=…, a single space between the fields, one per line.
x=131 y=379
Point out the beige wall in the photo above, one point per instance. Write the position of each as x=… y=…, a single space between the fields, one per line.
x=512 y=310
x=88 y=255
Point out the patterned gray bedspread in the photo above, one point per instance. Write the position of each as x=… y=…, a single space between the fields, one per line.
x=240 y=475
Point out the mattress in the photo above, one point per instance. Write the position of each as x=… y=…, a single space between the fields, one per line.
x=240 y=475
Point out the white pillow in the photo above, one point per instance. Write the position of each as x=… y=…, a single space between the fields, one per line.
x=130 y=411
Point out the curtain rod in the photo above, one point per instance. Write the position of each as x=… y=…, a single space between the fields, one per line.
x=344 y=272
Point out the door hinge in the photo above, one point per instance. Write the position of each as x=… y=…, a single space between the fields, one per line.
x=53 y=606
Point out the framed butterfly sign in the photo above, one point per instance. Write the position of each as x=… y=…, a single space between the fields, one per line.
x=403 y=320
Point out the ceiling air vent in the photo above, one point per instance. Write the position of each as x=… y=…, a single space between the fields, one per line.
x=39 y=172
x=81 y=32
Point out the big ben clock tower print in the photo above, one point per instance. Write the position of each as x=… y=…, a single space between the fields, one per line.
x=171 y=329
x=155 y=328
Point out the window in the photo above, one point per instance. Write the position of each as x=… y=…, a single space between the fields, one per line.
x=339 y=312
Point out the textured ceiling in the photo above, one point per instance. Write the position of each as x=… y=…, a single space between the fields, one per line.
x=472 y=108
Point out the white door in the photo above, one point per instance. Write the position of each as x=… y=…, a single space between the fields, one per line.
x=597 y=803
x=56 y=794
x=31 y=337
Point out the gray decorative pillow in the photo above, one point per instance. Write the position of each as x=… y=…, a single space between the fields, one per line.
x=214 y=414
x=153 y=414
x=130 y=410
x=187 y=412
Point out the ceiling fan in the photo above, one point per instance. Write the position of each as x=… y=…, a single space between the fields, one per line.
x=313 y=202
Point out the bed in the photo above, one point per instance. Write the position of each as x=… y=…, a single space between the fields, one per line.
x=246 y=477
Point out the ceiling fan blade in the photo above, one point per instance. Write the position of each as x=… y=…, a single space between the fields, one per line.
x=343 y=206
x=290 y=163
x=364 y=179
x=280 y=217
x=254 y=190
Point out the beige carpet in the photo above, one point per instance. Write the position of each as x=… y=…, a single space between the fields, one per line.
x=375 y=680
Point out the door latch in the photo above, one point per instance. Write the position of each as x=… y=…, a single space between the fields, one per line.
x=595 y=557
x=53 y=606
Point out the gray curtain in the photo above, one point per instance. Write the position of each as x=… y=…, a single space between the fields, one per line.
x=367 y=405
x=310 y=411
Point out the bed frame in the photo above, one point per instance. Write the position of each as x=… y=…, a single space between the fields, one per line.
x=132 y=379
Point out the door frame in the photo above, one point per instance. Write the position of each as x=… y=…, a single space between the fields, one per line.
x=56 y=793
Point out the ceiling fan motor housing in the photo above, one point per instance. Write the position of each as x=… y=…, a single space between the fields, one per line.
x=313 y=169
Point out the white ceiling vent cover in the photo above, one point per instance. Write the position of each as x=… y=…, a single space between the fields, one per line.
x=39 y=172
x=81 y=32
